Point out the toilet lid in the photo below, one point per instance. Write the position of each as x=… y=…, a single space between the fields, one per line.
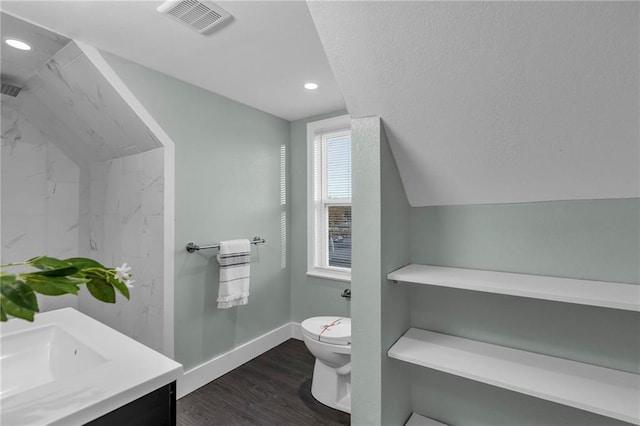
x=333 y=330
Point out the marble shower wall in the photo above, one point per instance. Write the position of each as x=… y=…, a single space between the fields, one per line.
x=71 y=100
x=40 y=197
x=123 y=221
x=83 y=175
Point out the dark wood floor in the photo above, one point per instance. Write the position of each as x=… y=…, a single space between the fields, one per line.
x=272 y=389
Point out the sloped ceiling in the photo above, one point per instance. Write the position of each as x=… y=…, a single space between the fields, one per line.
x=18 y=65
x=495 y=102
x=74 y=94
x=68 y=100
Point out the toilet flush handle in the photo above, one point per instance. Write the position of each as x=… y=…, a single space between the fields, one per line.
x=346 y=293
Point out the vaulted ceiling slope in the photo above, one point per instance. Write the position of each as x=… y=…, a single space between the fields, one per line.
x=71 y=102
x=261 y=58
x=18 y=65
x=67 y=99
x=495 y=102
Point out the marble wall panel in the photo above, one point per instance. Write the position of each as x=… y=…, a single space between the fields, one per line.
x=40 y=197
x=126 y=224
x=82 y=175
x=101 y=124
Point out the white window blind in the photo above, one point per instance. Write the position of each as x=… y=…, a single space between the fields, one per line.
x=339 y=166
x=283 y=206
x=329 y=219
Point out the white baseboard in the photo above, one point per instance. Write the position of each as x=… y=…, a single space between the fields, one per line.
x=296 y=330
x=222 y=364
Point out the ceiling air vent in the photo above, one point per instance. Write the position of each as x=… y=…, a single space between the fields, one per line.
x=201 y=16
x=10 y=89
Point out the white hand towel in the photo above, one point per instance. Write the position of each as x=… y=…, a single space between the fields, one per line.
x=234 y=258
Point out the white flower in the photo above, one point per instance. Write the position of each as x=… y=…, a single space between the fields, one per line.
x=129 y=283
x=122 y=272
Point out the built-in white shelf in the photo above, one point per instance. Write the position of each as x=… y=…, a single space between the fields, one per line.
x=418 y=420
x=603 y=391
x=583 y=292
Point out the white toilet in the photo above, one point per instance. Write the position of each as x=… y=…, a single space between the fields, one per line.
x=329 y=340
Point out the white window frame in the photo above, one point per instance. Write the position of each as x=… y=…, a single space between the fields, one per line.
x=317 y=221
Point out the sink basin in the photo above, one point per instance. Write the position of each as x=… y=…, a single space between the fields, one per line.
x=34 y=357
x=67 y=369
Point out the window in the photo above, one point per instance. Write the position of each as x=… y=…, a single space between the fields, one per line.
x=329 y=198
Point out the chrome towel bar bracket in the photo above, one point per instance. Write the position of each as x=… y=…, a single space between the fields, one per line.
x=191 y=246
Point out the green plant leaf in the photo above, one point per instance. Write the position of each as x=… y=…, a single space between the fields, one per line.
x=15 y=310
x=20 y=294
x=7 y=279
x=47 y=263
x=3 y=314
x=52 y=286
x=101 y=289
x=61 y=272
x=83 y=263
x=122 y=287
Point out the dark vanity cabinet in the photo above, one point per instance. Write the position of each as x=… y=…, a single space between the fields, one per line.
x=157 y=408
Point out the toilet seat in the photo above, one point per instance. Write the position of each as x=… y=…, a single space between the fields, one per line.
x=332 y=330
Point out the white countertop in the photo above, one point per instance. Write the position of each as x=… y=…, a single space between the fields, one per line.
x=131 y=370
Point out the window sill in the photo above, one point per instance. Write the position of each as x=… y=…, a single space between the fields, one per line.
x=330 y=275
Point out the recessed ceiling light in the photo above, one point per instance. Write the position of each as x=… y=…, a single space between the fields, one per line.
x=311 y=86
x=17 y=44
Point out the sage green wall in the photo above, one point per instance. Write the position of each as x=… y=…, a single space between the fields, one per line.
x=380 y=386
x=310 y=296
x=227 y=186
x=395 y=253
x=591 y=239
x=459 y=401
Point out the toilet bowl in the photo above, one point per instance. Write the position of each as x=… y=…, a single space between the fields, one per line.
x=329 y=340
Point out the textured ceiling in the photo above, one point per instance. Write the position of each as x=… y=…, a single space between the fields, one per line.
x=261 y=58
x=495 y=102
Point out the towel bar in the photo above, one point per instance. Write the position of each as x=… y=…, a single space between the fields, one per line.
x=191 y=246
